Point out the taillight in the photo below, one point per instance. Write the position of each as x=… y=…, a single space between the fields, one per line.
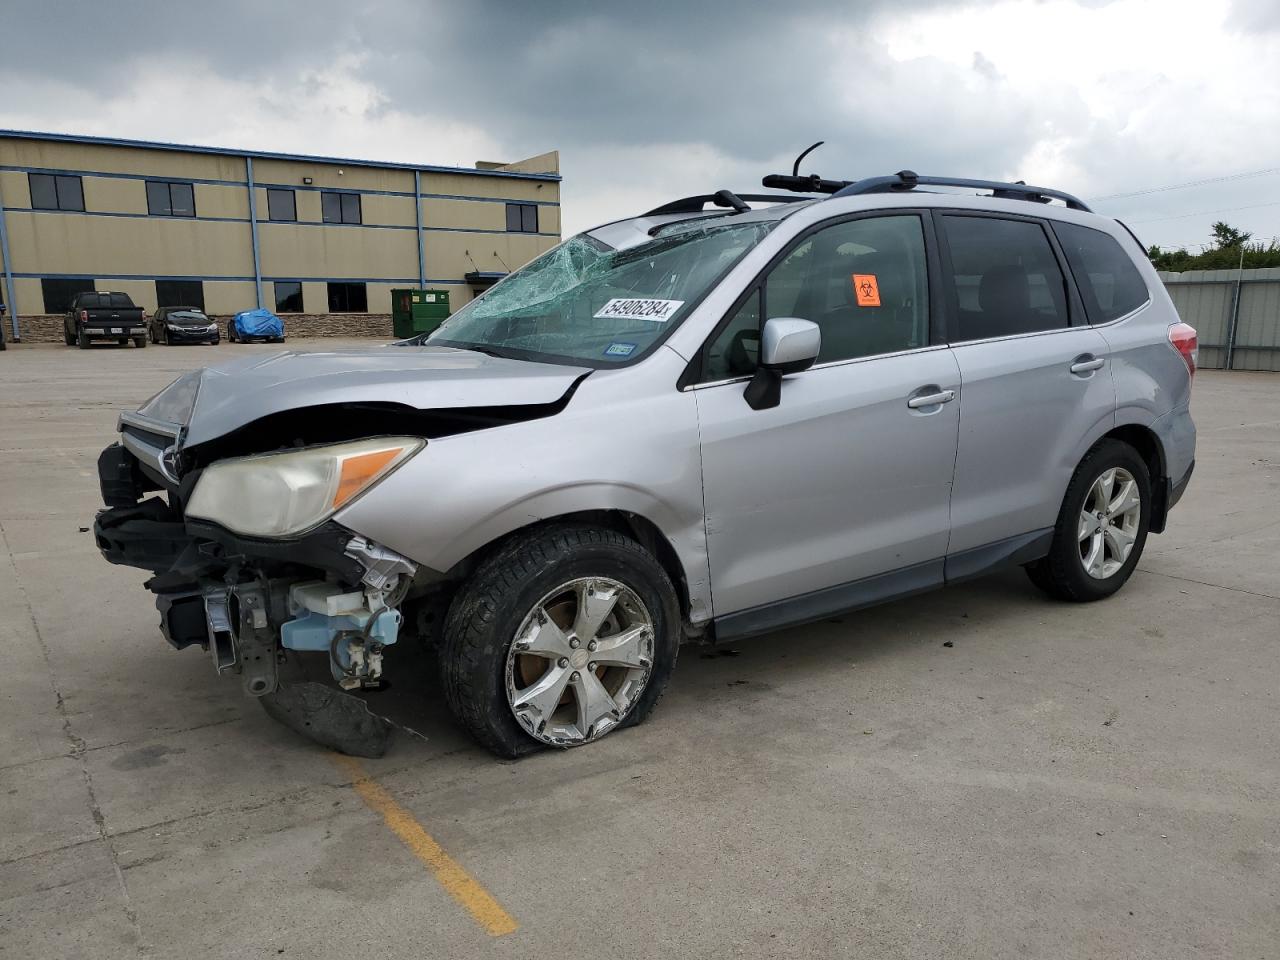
x=1183 y=338
x=84 y=316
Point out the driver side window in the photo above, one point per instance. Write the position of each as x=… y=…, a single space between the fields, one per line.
x=863 y=282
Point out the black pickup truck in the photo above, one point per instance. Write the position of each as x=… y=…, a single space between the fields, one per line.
x=104 y=316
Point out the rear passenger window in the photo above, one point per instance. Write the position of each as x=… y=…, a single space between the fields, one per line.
x=1006 y=277
x=1109 y=283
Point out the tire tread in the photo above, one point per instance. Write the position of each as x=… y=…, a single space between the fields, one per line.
x=469 y=629
x=1054 y=573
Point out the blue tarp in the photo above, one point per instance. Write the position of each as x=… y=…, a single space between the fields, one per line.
x=259 y=323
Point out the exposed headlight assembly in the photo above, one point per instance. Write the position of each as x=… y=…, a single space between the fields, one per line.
x=283 y=494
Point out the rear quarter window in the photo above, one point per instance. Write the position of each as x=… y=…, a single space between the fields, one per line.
x=1109 y=283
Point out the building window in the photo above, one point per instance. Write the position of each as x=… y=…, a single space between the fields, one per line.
x=170 y=199
x=348 y=298
x=522 y=218
x=58 y=294
x=289 y=295
x=340 y=207
x=280 y=205
x=55 y=192
x=180 y=293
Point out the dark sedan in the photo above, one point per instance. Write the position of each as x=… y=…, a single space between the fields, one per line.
x=172 y=325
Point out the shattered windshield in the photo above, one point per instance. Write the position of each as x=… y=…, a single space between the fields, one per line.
x=585 y=300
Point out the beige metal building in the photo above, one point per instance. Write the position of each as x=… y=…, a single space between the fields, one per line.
x=234 y=229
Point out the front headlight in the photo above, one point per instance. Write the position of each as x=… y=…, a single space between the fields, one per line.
x=281 y=494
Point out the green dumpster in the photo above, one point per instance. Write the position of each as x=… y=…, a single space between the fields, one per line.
x=418 y=311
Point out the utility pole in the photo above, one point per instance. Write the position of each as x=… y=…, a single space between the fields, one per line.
x=1235 y=311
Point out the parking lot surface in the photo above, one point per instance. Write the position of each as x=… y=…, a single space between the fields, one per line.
x=1059 y=781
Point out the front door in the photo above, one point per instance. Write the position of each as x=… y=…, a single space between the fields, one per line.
x=1037 y=387
x=839 y=495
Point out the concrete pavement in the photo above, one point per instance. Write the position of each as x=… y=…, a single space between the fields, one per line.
x=1064 y=781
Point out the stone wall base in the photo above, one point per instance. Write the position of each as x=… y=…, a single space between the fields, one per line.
x=47 y=327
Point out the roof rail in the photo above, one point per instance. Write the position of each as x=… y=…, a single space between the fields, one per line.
x=909 y=180
x=696 y=204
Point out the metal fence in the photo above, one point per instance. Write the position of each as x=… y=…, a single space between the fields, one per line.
x=1235 y=312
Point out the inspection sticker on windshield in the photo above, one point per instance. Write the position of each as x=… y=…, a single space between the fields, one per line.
x=619 y=308
x=618 y=349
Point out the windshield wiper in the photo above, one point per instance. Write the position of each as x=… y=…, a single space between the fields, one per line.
x=486 y=350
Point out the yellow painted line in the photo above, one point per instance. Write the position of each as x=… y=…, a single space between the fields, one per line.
x=450 y=874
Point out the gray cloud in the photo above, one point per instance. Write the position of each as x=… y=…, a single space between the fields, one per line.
x=645 y=100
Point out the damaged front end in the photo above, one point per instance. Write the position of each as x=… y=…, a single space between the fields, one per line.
x=225 y=486
x=253 y=602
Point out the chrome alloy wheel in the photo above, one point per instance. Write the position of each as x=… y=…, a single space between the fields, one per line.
x=579 y=661
x=1109 y=522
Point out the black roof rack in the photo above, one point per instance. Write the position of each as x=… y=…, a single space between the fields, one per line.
x=720 y=199
x=909 y=180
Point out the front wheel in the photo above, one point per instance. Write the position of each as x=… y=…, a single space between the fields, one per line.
x=559 y=638
x=1101 y=528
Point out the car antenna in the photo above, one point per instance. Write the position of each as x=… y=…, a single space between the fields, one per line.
x=795 y=167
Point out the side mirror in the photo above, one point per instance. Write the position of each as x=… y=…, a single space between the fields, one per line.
x=787 y=345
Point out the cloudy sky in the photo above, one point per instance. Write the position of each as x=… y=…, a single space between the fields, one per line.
x=661 y=98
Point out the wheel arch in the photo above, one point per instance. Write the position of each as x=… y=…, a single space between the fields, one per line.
x=637 y=526
x=1146 y=442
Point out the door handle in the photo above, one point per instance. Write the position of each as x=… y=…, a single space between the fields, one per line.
x=931 y=399
x=1087 y=366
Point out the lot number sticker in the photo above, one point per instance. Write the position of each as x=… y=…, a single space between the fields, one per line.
x=658 y=311
x=867 y=290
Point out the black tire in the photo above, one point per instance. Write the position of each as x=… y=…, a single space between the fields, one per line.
x=140 y=342
x=67 y=338
x=1061 y=574
x=231 y=332
x=82 y=340
x=487 y=611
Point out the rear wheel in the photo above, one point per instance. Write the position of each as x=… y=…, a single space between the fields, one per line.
x=67 y=338
x=140 y=342
x=82 y=340
x=1102 y=526
x=559 y=638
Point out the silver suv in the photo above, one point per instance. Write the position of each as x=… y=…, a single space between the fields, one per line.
x=709 y=421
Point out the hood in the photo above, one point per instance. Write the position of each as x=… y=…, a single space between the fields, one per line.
x=228 y=396
x=188 y=319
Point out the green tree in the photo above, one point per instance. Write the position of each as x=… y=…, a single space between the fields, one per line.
x=1228 y=244
x=1227 y=236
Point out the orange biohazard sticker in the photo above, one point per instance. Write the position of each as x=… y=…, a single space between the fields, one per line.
x=866 y=289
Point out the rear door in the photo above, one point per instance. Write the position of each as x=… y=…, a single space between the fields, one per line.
x=1036 y=383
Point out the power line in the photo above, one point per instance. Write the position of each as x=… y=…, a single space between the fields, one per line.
x=1189 y=183
x=1207 y=213
x=1206 y=245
